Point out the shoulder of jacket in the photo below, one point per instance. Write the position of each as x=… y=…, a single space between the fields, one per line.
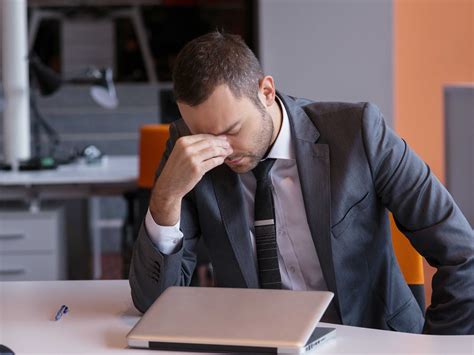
x=333 y=108
x=180 y=127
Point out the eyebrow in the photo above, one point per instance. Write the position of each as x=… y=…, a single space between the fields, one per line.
x=230 y=128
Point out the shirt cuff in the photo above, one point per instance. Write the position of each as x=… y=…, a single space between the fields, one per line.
x=166 y=238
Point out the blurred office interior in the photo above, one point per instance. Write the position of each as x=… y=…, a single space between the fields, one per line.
x=413 y=59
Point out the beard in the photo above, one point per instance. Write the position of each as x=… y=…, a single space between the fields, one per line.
x=261 y=143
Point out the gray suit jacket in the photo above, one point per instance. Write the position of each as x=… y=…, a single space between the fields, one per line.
x=352 y=169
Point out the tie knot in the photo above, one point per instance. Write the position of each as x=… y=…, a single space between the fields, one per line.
x=263 y=168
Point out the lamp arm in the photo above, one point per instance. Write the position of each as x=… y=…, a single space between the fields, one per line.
x=83 y=74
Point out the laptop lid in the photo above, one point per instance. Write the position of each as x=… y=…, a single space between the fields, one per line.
x=211 y=318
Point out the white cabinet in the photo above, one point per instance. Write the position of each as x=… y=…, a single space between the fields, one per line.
x=32 y=245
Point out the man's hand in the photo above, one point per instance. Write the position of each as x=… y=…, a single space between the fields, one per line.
x=191 y=157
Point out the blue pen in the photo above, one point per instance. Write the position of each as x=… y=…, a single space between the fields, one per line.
x=63 y=310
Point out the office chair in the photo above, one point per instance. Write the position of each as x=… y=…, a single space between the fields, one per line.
x=153 y=140
x=411 y=264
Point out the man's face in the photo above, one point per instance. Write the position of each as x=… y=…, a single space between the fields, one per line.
x=248 y=128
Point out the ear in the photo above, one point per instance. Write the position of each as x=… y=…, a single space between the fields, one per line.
x=267 y=91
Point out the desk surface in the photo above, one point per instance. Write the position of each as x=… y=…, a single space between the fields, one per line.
x=120 y=169
x=113 y=176
x=101 y=314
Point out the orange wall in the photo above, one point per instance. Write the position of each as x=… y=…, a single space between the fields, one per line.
x=434 y=45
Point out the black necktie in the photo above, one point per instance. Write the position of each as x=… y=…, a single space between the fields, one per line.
x=265 y=231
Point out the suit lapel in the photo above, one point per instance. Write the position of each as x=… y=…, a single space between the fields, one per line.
x=312 y=160
x=231 y=203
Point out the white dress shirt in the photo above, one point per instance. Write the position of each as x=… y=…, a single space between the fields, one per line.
x=297 y=257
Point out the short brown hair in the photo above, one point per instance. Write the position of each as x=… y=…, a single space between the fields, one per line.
x=211 y=60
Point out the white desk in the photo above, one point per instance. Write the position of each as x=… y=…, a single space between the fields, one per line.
x=101 y=314
x=113 y=176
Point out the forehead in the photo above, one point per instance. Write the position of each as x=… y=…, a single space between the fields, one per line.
x=217 y=113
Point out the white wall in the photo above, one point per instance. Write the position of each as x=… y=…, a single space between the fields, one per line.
x=329 y=50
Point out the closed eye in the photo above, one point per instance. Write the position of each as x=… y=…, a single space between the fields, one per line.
x=233 y=128
x=234 y=132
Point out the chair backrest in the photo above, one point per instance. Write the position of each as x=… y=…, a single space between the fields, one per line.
x=411 y=264
x=153 y=140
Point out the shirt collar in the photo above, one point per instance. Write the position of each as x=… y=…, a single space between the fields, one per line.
x=283 y=147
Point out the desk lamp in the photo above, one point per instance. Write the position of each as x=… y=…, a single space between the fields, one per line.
x=45 y=81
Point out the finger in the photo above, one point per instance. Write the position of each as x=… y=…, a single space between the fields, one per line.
x=211 y=163
x=189 y=140
x=208 y=140
x=212 y=152
x=199 y=146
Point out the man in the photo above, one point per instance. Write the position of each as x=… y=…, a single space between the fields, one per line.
x=290 y=193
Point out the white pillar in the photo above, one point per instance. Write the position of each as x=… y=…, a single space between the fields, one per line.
x=15 y=81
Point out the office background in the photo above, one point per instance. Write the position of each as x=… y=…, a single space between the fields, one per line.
x=400 y=54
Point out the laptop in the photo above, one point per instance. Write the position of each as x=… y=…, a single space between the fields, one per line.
x=202 y=319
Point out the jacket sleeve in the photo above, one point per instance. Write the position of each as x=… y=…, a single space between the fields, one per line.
x=428 y=216
x=151 y=272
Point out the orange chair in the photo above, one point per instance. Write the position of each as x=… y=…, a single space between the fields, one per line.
x=152 y=146
x=411 y=264
x=153 y=138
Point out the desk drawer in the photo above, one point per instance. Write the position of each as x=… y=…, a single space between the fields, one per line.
x=25 y=231
x=32 y=267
